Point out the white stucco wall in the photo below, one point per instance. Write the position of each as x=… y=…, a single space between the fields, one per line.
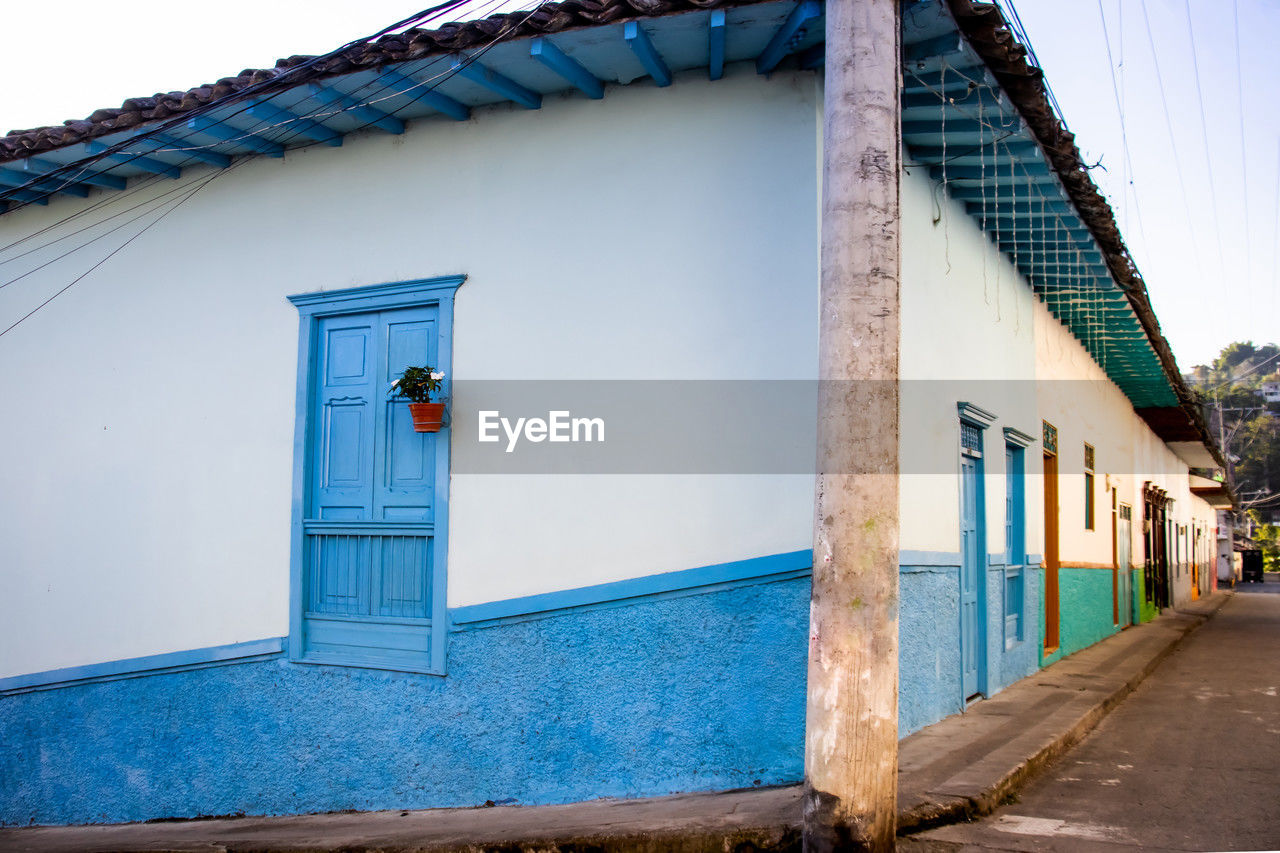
x=657 y=234
x=1077 y=397
x=148 y=450
x=967 y=335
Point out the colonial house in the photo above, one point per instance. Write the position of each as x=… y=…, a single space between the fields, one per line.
x=237 y=580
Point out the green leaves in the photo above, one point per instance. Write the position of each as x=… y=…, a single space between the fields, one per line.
x=417 y=384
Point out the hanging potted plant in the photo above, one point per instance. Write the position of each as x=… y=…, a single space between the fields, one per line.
x=416 y=385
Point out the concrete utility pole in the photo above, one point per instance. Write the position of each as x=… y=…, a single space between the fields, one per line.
x=851 y=737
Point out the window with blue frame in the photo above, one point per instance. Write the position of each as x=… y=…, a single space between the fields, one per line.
x=1015 y=536
x=370 y=516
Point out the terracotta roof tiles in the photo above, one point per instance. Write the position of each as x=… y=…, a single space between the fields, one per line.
x=394 y=48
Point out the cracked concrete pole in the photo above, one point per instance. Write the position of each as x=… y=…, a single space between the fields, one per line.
x=851 y=736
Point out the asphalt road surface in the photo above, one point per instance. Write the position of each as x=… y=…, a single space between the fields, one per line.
x=1190 y=761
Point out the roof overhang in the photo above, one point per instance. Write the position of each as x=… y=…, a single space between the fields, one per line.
x=1216 y=494
x=438 y=75
x=1184 y=430
x=1195 y=453
x=975 y=114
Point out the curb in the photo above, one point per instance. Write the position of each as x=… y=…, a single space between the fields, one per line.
x=957 y=809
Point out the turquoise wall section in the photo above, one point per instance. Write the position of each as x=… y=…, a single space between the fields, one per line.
x=1086 y=616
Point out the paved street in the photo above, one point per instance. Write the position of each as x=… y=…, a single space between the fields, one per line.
x=1191 y=761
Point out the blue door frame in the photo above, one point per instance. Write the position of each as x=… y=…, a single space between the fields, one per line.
x=973 y=621
x=394 y=517
x=973 y=556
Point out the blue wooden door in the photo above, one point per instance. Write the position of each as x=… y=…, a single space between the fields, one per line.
x=368 y=463
x=972 y=576
x=368 y=523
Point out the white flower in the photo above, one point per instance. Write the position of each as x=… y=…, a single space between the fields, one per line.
x=437 y=376
x=394 y=384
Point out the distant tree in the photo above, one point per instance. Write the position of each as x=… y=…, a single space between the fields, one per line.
x=1239 y=417
x=1234 y=354
x=1242 y=363
x=1268 y=538
x=1257 y=443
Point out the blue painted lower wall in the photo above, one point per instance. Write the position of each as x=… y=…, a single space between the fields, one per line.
x=678 y=694
x=929 y=641
x=1012 y=658
x=928 y=645
x=700 y=689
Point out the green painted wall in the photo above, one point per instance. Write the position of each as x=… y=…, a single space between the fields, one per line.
x=1146 y=610
x=1085 y=599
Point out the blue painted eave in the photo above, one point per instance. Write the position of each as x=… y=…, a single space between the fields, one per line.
x=956 y=122
x=439 y=88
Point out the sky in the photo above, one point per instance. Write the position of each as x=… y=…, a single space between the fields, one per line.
x=1196 y=189
x=1196 y=196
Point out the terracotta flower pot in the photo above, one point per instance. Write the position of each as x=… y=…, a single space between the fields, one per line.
x=427 y=417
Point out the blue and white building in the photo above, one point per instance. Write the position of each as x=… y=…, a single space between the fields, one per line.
x=236 y=581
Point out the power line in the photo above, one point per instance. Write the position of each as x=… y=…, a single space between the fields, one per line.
x=109 y=256
x=1173 y=141
x=1257 y=502
x=150 y=203
x=1124 y=134
x=1204 y=133
x=56 y=240
x=1021 y=32
x=278 y=82
x=1253 y=369
x=244 y=94
x=106 y=201
x=288 y=137
x=430 y=83
x=1244 y=159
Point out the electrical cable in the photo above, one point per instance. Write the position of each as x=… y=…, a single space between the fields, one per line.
x=1204 y=132
x=1173 y=142
x=1130 y=176
x=150 y=203
x=106 y=201
x=249 y=92
x=1015 y=22
x=277 y=82
x=112 y=254
x=1257 y=502
x=262 y=126
x=470 y=58
x=239 y=158
x=1244 y=159
x=1251 y=370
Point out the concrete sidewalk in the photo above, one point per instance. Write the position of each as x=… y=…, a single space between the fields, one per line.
x=956 y=769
